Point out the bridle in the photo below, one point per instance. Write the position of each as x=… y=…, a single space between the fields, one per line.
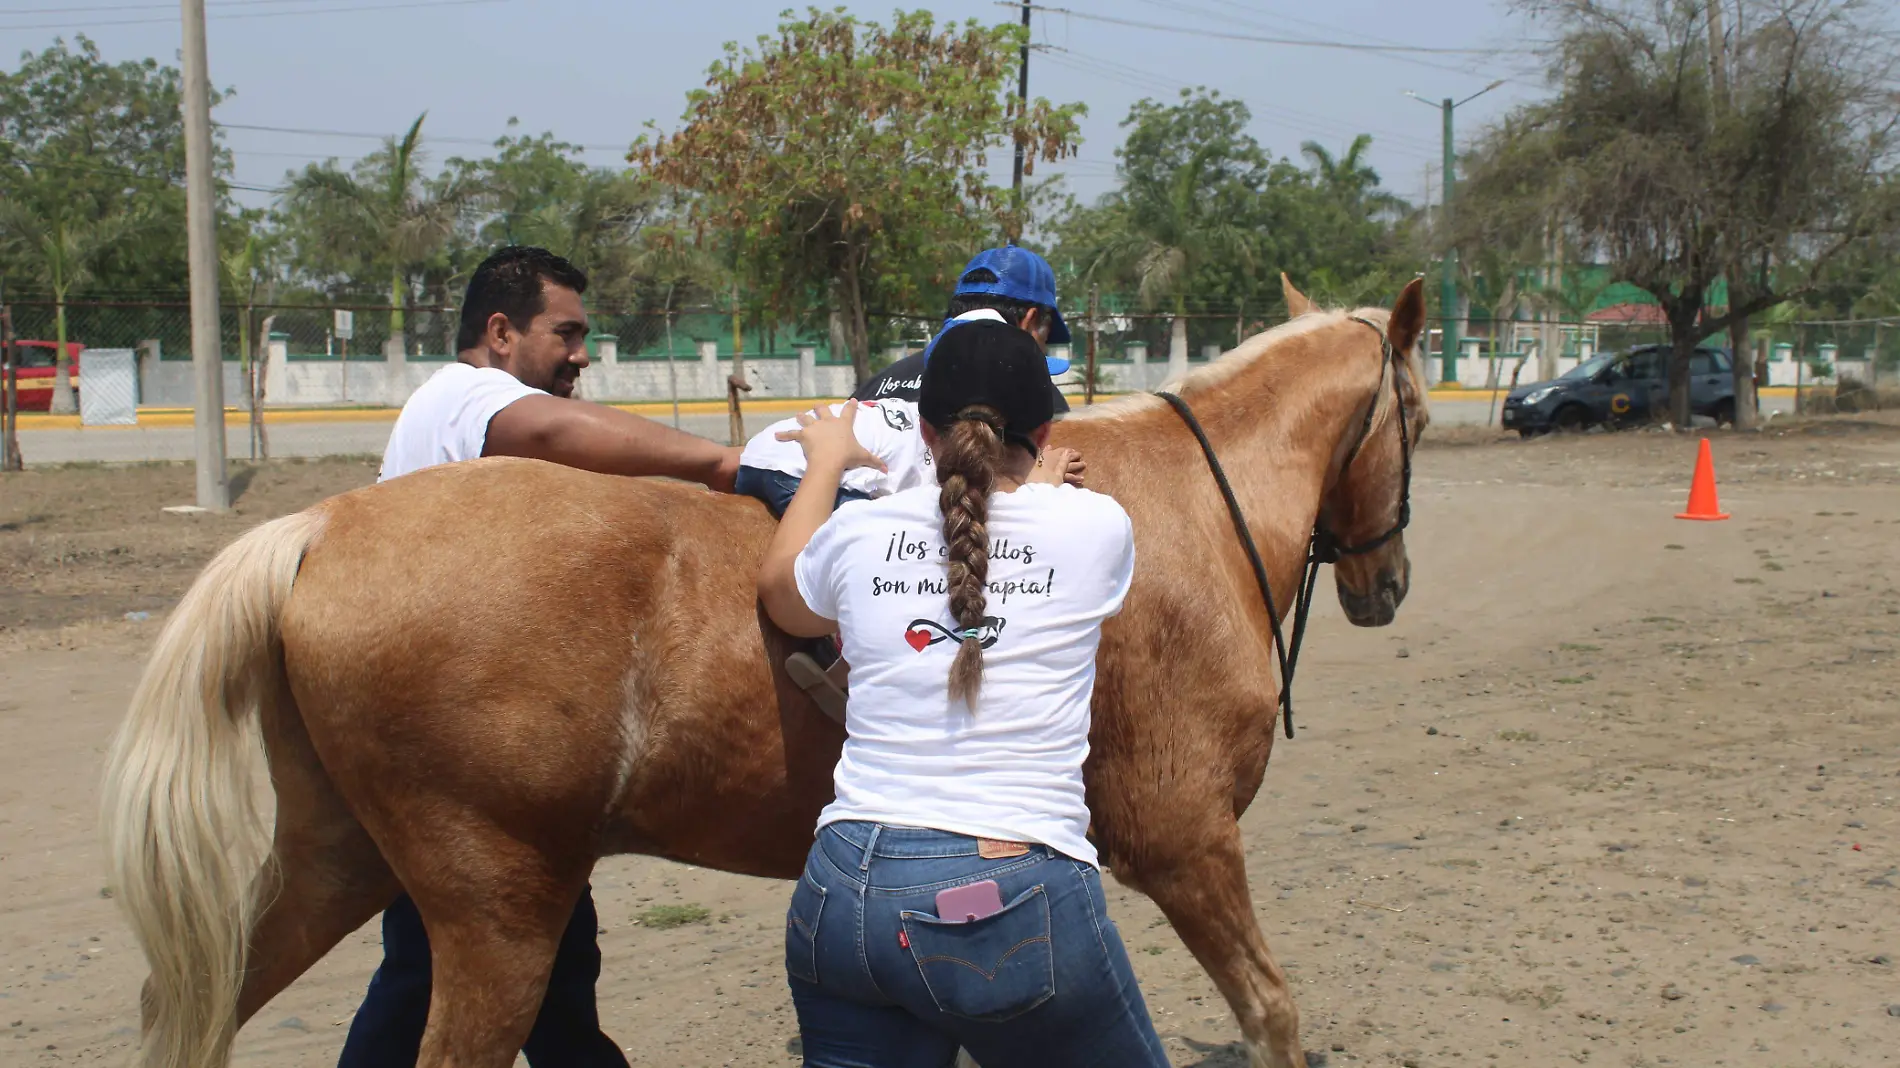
x=1323 y=547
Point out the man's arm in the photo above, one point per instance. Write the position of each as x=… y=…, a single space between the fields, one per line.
x=594 y=437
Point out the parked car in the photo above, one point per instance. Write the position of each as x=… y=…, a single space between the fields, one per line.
x=37 y=373
x=1615 y=389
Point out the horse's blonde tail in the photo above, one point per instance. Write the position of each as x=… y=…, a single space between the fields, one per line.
x=183 y=837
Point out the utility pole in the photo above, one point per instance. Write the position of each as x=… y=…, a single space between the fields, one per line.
x=201 y=231
x=1448 y=283
x=1022 y=110
x=1448 y=279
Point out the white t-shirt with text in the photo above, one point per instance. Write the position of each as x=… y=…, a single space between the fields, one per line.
x=887 y=429
x=446 y=420
x=1011 y=768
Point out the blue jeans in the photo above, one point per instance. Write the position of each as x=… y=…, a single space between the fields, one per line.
x=387 y=1031
x=775 y=488
x=880 y=982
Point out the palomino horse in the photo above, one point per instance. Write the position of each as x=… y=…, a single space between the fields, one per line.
x=474 y=681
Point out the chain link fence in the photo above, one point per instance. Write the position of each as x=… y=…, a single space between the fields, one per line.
x=1491 y=353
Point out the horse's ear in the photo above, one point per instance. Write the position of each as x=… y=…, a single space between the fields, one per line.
x=1297 y=303
x=1408 y=317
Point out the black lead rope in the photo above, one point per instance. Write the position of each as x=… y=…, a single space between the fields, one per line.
x=1253 y=555
x=1322 y=547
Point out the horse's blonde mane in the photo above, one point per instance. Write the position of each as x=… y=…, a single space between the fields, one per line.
x=1231 y=362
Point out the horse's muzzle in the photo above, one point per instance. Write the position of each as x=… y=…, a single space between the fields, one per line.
x=1379 y=605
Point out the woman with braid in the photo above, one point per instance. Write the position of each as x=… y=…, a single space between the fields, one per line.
x=952 y=898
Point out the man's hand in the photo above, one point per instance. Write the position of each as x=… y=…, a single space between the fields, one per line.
x=828 y=438
x=1058 y=465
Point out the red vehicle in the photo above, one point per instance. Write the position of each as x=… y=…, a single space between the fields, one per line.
x=37 y=373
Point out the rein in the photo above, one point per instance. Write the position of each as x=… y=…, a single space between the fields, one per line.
x=1323 y=547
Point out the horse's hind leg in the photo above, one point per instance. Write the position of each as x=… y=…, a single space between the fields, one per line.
x=495 y=923
x=324 y=877
x=1202 y=887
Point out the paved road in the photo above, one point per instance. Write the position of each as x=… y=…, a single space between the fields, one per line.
x=134 y=444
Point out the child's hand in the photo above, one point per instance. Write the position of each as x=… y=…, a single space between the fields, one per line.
x=1058 y=465
x=828 y=437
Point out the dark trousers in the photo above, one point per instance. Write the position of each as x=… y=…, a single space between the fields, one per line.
x=776 y=488
x=387 y=1031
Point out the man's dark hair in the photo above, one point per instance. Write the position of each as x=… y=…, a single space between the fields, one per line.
x=509 y=282
x=1011 y=308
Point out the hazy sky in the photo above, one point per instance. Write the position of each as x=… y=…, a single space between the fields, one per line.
x=593 y=71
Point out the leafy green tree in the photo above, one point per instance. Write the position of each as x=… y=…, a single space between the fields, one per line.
x=91 y=168
x=62 y=248
x=536 y=190
x=1673 y=170
x=841 y=155
x=82 y=139
x=1191 y=182
x=1204 y=220
x=384 y=215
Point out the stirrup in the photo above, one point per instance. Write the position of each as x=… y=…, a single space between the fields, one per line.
x=804 y=671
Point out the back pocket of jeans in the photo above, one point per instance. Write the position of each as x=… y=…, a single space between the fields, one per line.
x=801 y=930
x=992 y=969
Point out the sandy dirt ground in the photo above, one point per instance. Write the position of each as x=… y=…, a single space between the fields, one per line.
x=1615 y=789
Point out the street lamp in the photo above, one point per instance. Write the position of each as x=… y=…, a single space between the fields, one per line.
x=1448 y=283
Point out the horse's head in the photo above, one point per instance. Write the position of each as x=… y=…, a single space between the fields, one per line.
x=1367 y=503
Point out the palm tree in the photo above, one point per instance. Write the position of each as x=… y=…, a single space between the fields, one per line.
x=1351 y=181
x=596 y=223
x=63 y=247
x=406 y=216
x=1171 y=228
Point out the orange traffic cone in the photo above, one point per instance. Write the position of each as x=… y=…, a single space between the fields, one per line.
x=1702 y=503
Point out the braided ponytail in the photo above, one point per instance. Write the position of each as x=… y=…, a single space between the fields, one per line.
x=967 y=458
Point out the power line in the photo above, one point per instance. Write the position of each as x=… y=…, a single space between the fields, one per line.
x=145 y=7
x=357 y=135
x=253 y=14
x=1252 y=23
x=1294 y=42
x=121 y=172
x=1292 y=119
x=1278 y=16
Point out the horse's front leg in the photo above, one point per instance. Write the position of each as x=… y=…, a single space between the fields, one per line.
x=1201 y=885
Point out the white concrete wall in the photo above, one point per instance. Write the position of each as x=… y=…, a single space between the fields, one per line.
x=168 y=384
x=648 y=380
x=314 y=383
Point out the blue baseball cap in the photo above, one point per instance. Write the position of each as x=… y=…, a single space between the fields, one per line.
x=1020 y=275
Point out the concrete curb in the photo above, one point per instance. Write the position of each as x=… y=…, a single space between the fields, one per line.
x=235 y=417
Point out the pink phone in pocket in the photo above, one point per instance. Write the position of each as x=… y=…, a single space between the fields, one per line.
x=962 y=904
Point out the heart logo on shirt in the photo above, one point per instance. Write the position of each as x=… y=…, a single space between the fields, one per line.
x=923 y=633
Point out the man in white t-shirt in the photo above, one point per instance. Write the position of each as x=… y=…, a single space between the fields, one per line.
x=510 y=393
x=511 y=390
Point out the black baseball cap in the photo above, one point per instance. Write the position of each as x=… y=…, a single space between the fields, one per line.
x=997 y=365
